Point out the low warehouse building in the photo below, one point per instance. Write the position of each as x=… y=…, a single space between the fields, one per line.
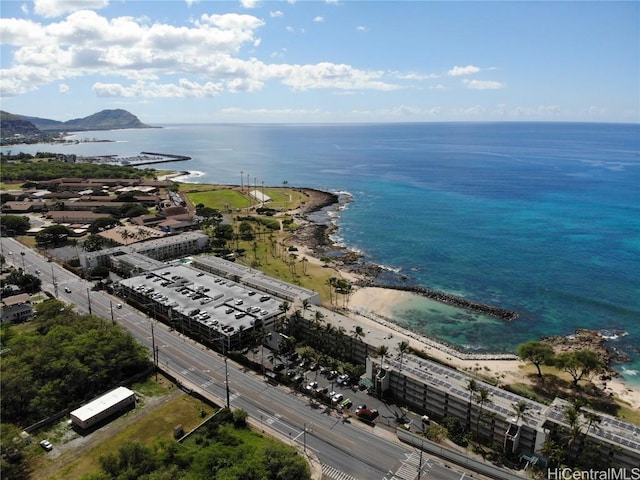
x=103 y=407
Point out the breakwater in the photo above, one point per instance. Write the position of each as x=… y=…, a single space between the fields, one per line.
x=456 y=301
x=150 y=158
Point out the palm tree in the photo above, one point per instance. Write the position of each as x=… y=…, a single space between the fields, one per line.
x=403 y=347
x=241 y=328
x=305 y=306
x=356 y=334
x=520 y=408
x=482 y=396
x=382 y=351
x=304 y=265
x=472 y=386
x=327 y=333
x=572 y=417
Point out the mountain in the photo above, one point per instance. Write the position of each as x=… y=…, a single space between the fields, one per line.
x=15 y=125
x=16 y=129
x=104 y=120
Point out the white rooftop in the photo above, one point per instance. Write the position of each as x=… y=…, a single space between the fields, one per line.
x=102 y=403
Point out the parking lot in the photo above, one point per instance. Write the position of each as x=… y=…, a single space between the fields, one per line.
x=339 y=394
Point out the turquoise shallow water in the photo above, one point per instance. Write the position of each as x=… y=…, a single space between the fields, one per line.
x=543 y=219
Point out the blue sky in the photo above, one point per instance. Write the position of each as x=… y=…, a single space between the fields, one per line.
x=193 y=61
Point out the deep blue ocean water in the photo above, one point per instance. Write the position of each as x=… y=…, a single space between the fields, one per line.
x=540 y=218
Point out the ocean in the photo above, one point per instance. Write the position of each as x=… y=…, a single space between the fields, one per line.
x=539 y=218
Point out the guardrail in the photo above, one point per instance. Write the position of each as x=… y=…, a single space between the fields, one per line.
x=456 y=457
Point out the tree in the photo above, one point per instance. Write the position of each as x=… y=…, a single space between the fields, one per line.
x=436 y=433
x=93 y=243
x=382 y=351
x=482 y=396
x=245 y=231
x=538 y=353
x=472 y=387
x=99 y=272
x=105 y=223
x=520 y=408
x=580 y=364
x=403 y=347
x=11 y=225
x=53 y=235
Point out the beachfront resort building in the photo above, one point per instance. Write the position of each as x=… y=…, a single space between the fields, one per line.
x=439 y=391
x=218 y=302
x=165 y=248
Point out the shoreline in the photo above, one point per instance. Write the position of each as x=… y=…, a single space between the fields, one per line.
x=371 y=304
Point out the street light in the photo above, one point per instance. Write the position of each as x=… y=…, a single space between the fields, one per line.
x=22 y=255
x=226 y=381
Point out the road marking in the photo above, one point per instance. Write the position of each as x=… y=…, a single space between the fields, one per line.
x=335 y=474
x=410 y=466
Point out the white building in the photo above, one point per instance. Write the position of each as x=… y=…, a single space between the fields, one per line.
x=103 y=407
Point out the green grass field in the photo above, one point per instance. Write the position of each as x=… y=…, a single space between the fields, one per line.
x=163 y=413
x=221 y=199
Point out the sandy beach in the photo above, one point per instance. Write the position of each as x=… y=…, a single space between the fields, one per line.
x=371 y=307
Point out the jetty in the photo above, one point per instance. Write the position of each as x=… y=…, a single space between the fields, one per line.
x=457 y=301
x=151 y=158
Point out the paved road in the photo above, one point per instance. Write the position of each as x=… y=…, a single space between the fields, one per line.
x=348 y=451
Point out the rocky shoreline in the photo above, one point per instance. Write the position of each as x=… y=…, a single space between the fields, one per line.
x=583 y=339
x=317 y=237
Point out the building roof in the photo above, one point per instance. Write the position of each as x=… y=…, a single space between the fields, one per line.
x=102 y=403
x=16 y=299
x=260 y=196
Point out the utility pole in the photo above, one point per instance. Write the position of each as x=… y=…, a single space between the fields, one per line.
x=241 y=181
x=155 y=352
x=226 y=381
x=55 y=284
x=89 y=299
x=111 y=307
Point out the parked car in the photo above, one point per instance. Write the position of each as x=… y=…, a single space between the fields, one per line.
x=312 y=386
x=322 y=390
x=46 y=445
x=337 y=398
x=119 y=305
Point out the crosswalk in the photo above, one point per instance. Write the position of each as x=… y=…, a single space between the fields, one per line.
x=329 y=472
x=408 y=470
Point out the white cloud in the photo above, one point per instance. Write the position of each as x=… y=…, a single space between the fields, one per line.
x=362 y=28
x=318 y=19
x=56 y=8
x=483 y=84
x=276 y=14
x=148 y=55
x=64 y=88
x=414 y=76
x=468 y=70
x=250 y=3
x=183 y=88
x=191 y=2
x=329 y=75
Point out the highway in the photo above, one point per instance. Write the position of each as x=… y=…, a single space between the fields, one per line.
x=347 y=451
